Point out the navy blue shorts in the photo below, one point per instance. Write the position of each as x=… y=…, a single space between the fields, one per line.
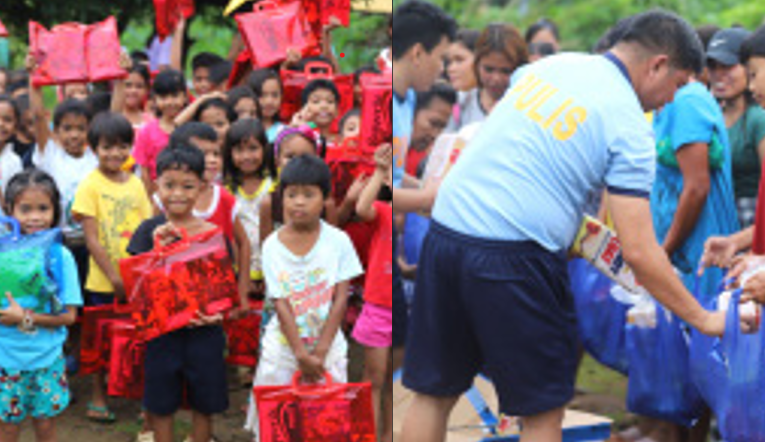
x=500 y=308
x=400 y=307
x=190 y=358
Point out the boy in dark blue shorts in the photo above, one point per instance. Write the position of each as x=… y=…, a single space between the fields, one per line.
x=190 y=358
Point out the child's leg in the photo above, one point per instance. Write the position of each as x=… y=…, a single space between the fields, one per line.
x=9 y=432
x=98 y=409
x=201 y=427
x=45 y=429
x=163 y=427
x=375 y=369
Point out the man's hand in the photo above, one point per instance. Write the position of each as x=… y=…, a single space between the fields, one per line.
x=713 y=324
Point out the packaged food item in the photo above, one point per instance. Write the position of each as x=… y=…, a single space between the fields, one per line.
x=750 y=312
x=599 y=245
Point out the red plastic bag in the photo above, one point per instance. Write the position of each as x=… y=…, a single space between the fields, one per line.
x=3 y=31
x=97 y=326
x=72 y=52
x=167 y=286
x=319 y=12
x=271 y=29
x=376 y=111
x=126 y=362
x=315 y=413
x=294 y=82
x=244 y=337
x=168 y=12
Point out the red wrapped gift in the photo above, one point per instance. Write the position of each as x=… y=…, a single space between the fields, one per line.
x=376 y=108
x=3 y=31
x=126 y=372
x=346 y=163
x=294 y=82
x=168 y=12
x=271 y=29
x=315 y=413
x=96 y=334
x=244 y=337
x=72 y=52
x=167 y=286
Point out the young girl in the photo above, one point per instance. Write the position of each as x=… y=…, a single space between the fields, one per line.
x=32 y=368
x=135 y=93
x=307 y=265
x=10 y=163
x=169 y=98
x=244 y=102
x=248 y=174
x=350 y=124
x=267 y=86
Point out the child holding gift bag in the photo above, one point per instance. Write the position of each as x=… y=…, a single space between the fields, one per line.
x=33 y=380
x=308 y=265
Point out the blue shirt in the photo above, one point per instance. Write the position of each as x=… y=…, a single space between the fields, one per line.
x=568 y=126
x=403 y=120
x=20 y=351
x=693 y=117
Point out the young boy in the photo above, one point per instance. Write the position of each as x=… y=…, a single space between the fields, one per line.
x=193 y=354
x=320 y=101
x=201 y=65
x=110 y=204
x=308 y=266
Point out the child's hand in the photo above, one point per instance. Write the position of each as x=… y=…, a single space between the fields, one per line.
x=119 y=287
x=354 y=192
x=126 y=63
x=293 y=57
x=167 y=234
x=333 y=24
x=30 y=63
x=384 y=157
x=312 y=367
x=14 y=314
x=202 y=320
x=213 y=95
x=304 y=116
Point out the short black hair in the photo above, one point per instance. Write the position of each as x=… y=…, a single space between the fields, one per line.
x=541 y=25
x=70 y=106
x=239 y=132
x=111 y=127
x=220 y=72
x=218 y=103
x=192 y=129
x=660 y=31
x=612 y=36
x=33 y=178
x=754 y=46
x=418 y=21
x=98 y=102
x=318 y=85
x=240 y=93
x=348 y=115
x=307 y=170
x=169 y=82
x=184 y=157
x=205 y=60
x=4 y=98
x=439 y=91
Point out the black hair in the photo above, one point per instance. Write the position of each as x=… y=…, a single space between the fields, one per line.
x=439 y=91
x=348 y=115
x=220 y=72
x=660 y=31
x=468 y=38
x=239 y=93
x=184 y=157
x=143 y=71
x=320 y=84
x=33 y=178
x=140 y=56
x=112 y=127
x=22 y=101
x=307 y=170
x=169 y=82
x=214 y=103
x=240 y=132
x=19 y=75
x=753 y=46
x=192 y=129
x=615 y=33
x=98 y=102
x=257 y=80
x=364 y=70
x=705 y=33
x=205 y=60
x=14 y=86
x=418 y=21
x=70 y=106
x=541 y=25
x=4 y=98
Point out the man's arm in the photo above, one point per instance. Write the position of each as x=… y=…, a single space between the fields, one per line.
x=415 y=200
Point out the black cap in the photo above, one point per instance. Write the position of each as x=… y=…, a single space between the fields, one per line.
x=725 y=45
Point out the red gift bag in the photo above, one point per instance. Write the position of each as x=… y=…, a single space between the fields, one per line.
x=97 y=326
x=167 y=286
x=346 y=163
x=319 y=12
x=243 y=336
x=3 y=31
x=294 y=82
x=272 y=28
x=315 y=413
x=126 y=363
x=376 y=111
x=168 y=12
x=72 y=52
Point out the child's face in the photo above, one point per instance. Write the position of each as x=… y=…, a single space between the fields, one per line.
x=216 y=118
x=248 y=156
x=72 y=134
x=170 y=105
x=213 y=157
x=111 y=156
x=179 y=190
x=201 y=81
x=78 y=91
x=756 y=70
x=271 y=101
x=8 y=123
x=34 y=210
x=136 y=91
x=322 y=108
x=246 y=108
x=352 y=127
x=294 y=147
x=303 y=205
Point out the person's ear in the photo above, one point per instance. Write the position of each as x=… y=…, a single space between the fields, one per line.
x=658 y=63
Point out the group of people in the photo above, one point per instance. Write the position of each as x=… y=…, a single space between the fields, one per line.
x=659 y=131
x=144 y=161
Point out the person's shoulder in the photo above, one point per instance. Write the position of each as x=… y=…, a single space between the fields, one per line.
x=272 y=242
x=332 y=234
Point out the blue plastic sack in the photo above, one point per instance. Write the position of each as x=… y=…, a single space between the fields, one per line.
x=601 y=319
x=659 y=382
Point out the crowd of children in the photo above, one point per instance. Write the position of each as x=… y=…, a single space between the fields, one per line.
x=147 y=162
